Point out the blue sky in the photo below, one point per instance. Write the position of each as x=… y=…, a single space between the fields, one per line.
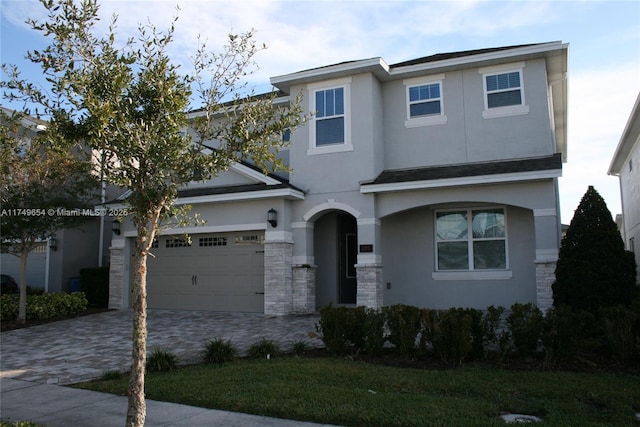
x=604 y=52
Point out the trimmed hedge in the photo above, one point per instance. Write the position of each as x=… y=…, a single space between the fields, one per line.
x=460 y=333
x=45 y=306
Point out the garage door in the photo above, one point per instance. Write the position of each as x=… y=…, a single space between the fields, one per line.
x=214 y=272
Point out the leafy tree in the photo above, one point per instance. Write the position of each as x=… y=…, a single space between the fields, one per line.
x=594 y=270
x=129 y=103
x=38 y=186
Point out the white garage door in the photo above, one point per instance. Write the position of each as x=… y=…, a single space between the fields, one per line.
x=216 y=272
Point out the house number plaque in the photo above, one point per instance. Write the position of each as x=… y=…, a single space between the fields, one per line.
x=366 y=249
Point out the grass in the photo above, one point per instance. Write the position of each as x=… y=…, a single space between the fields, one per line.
x=351 y=393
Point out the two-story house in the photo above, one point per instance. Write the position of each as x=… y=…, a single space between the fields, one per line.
x=625 y=164
x=431 y=182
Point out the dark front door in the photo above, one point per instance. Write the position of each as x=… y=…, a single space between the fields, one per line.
x=347 y=255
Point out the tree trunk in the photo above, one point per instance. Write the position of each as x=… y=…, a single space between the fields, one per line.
x=137 y=409
x=22 y=304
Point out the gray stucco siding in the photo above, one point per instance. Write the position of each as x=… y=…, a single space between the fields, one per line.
x=409 y=263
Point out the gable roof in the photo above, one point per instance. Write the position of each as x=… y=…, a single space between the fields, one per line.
x=465 y=174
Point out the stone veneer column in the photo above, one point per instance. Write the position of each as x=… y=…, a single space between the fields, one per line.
x=545 y=276
x=278 y=295
x=304 y=288
x=370 y=285
x=116 y=275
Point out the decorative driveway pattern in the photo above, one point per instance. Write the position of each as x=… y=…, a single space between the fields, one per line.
x=84 y=348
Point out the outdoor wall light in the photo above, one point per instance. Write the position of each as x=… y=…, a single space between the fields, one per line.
x=53 y=244
x=115 y=227
x=272 y=217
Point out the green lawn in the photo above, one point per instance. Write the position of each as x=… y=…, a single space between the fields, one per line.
x=350 y=393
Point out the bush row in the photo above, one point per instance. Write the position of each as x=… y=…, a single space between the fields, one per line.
x=43 y=306
x=457 y=334
x=217 y=351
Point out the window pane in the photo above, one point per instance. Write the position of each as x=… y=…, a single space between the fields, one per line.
x=320 y=103
x=503 y=99
x=451 y=225
x=453 y=256
x=330 y=131
x=488 y=224
x=414 y=93
x=514 y=79
x=489 y=254
x=434 y=91
x=492 y=83
x=339 y=100
x=329 y=105
x=424 y=108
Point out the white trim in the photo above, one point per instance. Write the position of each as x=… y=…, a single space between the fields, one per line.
x=254 y=174
x=248 y=195
x=546 y=255
x=366 y=260
x=511 y=110
x=202 y=230
x=328 y=205
x=278 y=236
x=368 y=221
x=338 y=68
x=344 y=83
x=419 y=121
x=472 y=275
x=502 y=68
x=544 y=212
x=302 y=225
x=462 y=181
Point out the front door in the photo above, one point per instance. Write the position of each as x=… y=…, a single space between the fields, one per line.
x=347 y=256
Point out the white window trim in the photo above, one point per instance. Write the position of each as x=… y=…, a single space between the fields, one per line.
x=344 y=83
x=510 y=110
x=471 y=274
x=436 y=119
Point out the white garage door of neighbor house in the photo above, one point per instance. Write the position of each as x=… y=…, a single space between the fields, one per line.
x=215 y=272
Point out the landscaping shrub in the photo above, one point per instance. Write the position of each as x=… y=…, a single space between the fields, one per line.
x=219 y=351
x=373 y=331
x=495 y=337
x=525 y=324
x=299 y=348
x=561 y=333
x=161 y=361
x=94 y=282
x=477 y=332
x=44 y=306
x=404 y=323
x=619 y=325
x=452 y=335
x=333 y=328
x=593 y=268
x=263 y=349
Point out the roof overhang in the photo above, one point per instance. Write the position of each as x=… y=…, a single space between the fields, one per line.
x=630 y=137
x=461 y=181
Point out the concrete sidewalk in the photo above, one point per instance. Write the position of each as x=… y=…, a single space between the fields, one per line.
x=57 y=406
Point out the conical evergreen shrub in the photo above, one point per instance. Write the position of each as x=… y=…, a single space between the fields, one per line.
x=594 y=270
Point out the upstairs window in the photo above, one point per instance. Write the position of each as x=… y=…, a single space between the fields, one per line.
x=471 y=239
x=330 y=128
x=330 y=116
x=424 y=100
x=503 y=89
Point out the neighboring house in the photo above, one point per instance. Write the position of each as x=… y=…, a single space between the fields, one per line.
x=624 y=165
x=432 y=182
x=53 y=264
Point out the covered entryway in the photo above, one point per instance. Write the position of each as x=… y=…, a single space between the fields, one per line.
x=213 y=272
x=335 y=248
